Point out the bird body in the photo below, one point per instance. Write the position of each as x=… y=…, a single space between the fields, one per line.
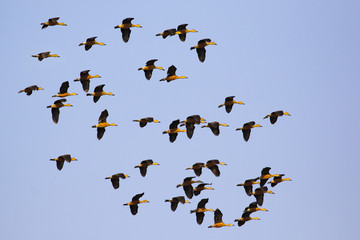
x=43 y=55
x=102 y=124
x=171 y=75
x=90 y=42
x=274 y=116
x=200 y=48
x=30 y=89
x=229 y=102
x=52 y=22
x=125 y=28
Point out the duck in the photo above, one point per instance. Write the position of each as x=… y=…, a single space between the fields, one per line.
x=125 y=28
x=134 y=203
x=171 y=75
x=229 y=102
x=90 y=42
x=278 y=179
x=115 y=179
x=200 y=210
x=144 y=121
x=244 y=218
x=259 y=194
x=29 y=90
x=248 y=185
x=168 y=32
x=85 y=79
x=213 y=166
x=102 y=124
x=200 y=187
x=55 y=112
x=182 y=31
x=186 y=184
x=43 y=55
x=214 y=126
x=253 y=207
x=200 y=48
x=175 y=201
x=52 y=22
x=197 y=167
x=148 y=69
x=246 y=129
x=218 y=222
x=274 y=116
x=61 y=159
x=63 y=92
x=265 y=175
x=190 y=124
x=98 y=92
x=143 y=166
x=173 y=130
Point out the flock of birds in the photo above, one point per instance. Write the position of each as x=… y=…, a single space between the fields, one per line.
x=173 y=130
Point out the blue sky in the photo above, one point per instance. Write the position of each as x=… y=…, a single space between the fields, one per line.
x=298 y=56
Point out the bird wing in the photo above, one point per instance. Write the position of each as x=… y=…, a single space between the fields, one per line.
x=202 y=203
x=125 y=34
x=134 y=209
x=151 y=62
x=248 y=190
x=172 y=136
x=174 y=204
x=104 y=114
x=228 y=108
x=218 y=216
x=200 y=217
x=190 y=127
x=55 y=112
x=100 y=133
x=64 y=87
x=115 y=182
x=59 y=164
x=66 y=157
x=137 y=197
x=143 y=171
x=174 y=124
x=85 y=85
x=246 y=134
x=148 y=74
x=171 y=70
x=215 y=170
x=99 y=88
x=273 y=119
x=265 y=171
x=189 y=191
x=127 y=20
x=201 y=52
x=84 y=73
x=87 y=47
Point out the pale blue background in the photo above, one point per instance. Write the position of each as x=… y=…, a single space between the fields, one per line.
x=297 y=56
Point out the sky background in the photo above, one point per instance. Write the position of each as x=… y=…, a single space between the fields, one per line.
x=298 y=56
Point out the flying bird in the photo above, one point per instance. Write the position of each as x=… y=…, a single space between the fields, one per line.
x=98 y=92
x=190 y=124
x=214 y=126
x=253 y=207
x=143 y=166
x=173 y=130
x=229 y=102
x=85 y=79
x=43 y=55
x=259 y=194
x=61 y=159
x=175 y=201
x=134 y=203
x=274 y=116
x=200 y=210
x=246 y=129
x=200 y=187
x=144 y=121
x=115 y=179
x=171 y=74
x=200 y=48
x=168 y=32
x=218 y=222
x=213 y=166
x=148 y=69
x=52 y=22
x=90 y=42
x=102 y=124
x=125 y=28
x=30 y=89
x=182 y=31
x=55 y=108
x=186 y=184
x=248 y=185
x=244 y=218
x=197 y=167
x=63 y=92
x=278 y=179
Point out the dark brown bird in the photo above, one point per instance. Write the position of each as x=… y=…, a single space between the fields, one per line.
x=229 y=103
x=102 y=124
x=90 y=42
x=98 y=92
x=148 y=69
x=200 y=187
x=214 y=126
x=218 y=220
x=55 y=112
x=143 y=166
x=52 y=22
x=43 y=55
x=200 y=48
x=190 y=124
x=265 y=175
x=85 y=79
x=197 y=167
x=175 y=201
x=134 y=203
x=188 y=189
x=61 y=159
x=200 y=210
x=246 y=129
x=30 y=89
x=248 y=185
x=168 y=32
x=244 y=218
x=253 y=207
x=144 y=121
x=213 y=166
x=63 y=92
x=171 y=74
x=274 y=116
x=182 y=31
x=173 y=130
x=278 y=179
x=259 y=194
x=125 y=28
x=115 y=179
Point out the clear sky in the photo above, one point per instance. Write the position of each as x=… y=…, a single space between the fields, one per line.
x=298 y=56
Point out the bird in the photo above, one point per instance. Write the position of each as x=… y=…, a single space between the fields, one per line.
x=173 y=130
x=63 y=92
x=90 y=42
x=186 y=184
x=197 y=167
x=134 y=203
x=61 y=159
x=98 y=92
x=102 y=124
x=214 y=126
x=274 y=115
x=248 y=185
x=175 y=201
x=190 y=124
x=143 y=166
x=278 y=179
x=213 y=166
x=229 y=102
x=115 y=179
x=148 y=69
x=200 y=48
x=246 y=129
x=200 y=210
x=171 y=75
x=200 y=187
x=125 y=28
x=144 y=121
x=52 y=22
x=168 y=32
x=43 y=55
x=30 y=89
x=259 y=194
x=55 y=112
x=218 y=222
x=244 y=218
x=85 y=79
x=253 y=207
x=181 y=30
x=265 y=175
